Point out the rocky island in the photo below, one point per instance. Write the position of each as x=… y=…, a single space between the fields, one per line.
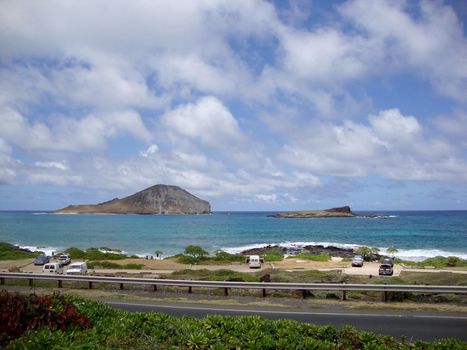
x=328 y=213
x=158 y=199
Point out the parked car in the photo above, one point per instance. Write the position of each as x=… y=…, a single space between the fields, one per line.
x=41 y=260
x=53 y=268
x=357 y=261
x=77 y=268
x=254 y=261
x=64 y=259
x=388 y=261
x=385 y=270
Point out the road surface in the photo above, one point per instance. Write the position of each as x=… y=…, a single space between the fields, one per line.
x=414 y=326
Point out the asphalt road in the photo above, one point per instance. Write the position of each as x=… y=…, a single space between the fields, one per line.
x=414 y=326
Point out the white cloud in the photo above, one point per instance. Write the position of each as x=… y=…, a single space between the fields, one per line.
x=392 y=146
x=7 y=164
x=151 y=150
x=69 y=134
x=207 y=120
x=56 y=165
x=267 y=197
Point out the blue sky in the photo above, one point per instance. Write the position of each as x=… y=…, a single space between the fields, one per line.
x=252 y=105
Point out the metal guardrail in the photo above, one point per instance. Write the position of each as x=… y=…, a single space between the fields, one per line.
x=342 y=287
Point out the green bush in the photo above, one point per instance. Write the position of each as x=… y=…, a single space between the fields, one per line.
x=75 y=253
x=112 y=328
x=273 y=254
x=308 y=256
x=112 y=265
x=438 y=262
x=221 y=256
x=10 y=252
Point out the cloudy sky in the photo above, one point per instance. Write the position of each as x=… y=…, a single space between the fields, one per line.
x=252 y=105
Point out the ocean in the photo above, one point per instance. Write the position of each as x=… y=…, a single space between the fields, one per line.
x=416 y=234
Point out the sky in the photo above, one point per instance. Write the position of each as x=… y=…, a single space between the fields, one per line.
x=251 y=105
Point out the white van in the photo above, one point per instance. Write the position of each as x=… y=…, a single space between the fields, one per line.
x=77 y=268
x=254 y=261
x=53 y=268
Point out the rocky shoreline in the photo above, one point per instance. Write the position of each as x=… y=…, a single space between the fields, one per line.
x=313 y=249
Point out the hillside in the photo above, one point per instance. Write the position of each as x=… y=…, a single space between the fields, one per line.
x=158 y=199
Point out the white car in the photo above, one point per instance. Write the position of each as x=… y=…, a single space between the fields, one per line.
x=53 y=268
x=77 y=268
x=63 y=259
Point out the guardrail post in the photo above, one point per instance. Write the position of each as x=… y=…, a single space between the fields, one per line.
x=90 y=285
x=59 y=283
x=344 y=295
x=30 y=282
x=2 y=281
x=385 y=296
x=226 y=291
x=121 y=285
x=264 y=293
x=189 y=289
x=155 y=287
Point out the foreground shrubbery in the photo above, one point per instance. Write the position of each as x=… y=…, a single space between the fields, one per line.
x=113 y=328
x=19 y=313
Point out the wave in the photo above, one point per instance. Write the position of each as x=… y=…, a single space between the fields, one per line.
x=46 y=250
x=405 y=254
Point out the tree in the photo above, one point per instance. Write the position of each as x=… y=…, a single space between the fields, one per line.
x=195 y=251
x=363 y=251
x=392 y=250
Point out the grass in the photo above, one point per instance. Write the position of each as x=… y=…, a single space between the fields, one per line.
x=112 y=265
x=305 y=255
x=438 y=262
x=214 y=275
x=11 y=252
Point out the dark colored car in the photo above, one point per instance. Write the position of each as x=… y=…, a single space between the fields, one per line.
x=385 y=270
x=388 y=261
x=41 y=260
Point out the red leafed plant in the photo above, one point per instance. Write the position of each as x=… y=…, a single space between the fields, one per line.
x=19 y=313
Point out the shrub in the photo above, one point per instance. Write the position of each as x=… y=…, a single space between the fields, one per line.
x=19 y=314
x=75 y=253
x=308 y=256
x=221 y=256
x=112 y=328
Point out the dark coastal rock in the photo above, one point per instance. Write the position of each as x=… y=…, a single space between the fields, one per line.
x=265 y=278
x=344 y=209
x=331 y=250
x=264 y=250
x=327 y=213
x=158 y=199
x=313 y=249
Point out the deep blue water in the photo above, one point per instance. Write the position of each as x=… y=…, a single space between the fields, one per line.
x=416 y=234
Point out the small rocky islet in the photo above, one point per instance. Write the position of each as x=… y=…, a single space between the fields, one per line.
x=338 y=212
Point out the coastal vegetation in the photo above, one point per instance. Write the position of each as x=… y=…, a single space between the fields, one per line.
x=94 y=325
x=92 y=253
x=112 y=265
x=11 y=252
x=438 y=262
x=313 y=257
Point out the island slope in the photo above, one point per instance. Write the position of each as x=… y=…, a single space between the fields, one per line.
x=158 y=199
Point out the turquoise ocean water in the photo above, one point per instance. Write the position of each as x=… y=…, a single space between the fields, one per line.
x=417 y=234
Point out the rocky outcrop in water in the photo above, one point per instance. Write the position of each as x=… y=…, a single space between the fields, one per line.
x=328 y=213
x=158 y=199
